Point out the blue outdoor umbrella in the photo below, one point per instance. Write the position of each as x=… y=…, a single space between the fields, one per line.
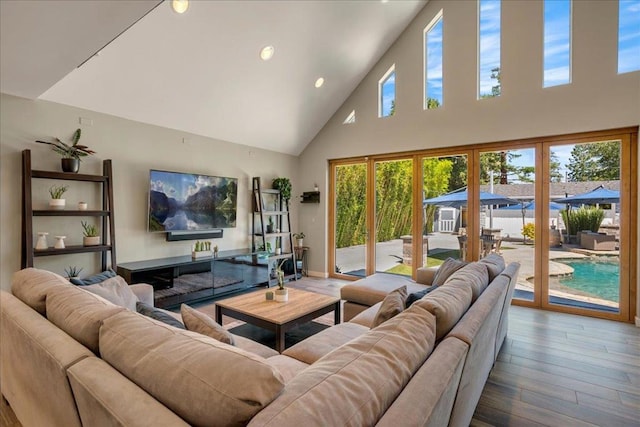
x=458 y=198
x=598 y=195
x=530 y=206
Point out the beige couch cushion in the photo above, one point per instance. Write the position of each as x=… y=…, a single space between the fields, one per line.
x=392 y=305
x=448 y=304
x=31 y=286
x=287 y=366
x=356 y=383
x=365 y=318
x=204 y=381
x=428 y=398
x=495 y=264
x=199 y=322
x=253 y=347
x=372 y=289
x=35 y=356
x=474 y=275
x=115 y=290
x=320 y=344
x=448 y=267
x=79 y=313
x=100 y=391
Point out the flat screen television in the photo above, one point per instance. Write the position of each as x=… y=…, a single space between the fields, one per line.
x=191 y=202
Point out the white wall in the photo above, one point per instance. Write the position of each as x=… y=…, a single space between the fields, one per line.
x=597 y=99
x=134 y=148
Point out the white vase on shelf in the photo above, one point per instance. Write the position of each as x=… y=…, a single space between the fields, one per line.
x=59 y=242
x=42 y=244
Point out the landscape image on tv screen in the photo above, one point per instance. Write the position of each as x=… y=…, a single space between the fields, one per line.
x=190 y=202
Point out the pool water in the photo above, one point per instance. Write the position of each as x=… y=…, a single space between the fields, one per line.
x=597 y=277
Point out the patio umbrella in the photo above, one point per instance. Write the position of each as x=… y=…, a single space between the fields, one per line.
x=530 y=206
x=598 y=195
x=458 y=198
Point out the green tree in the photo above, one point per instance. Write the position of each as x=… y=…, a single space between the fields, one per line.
x=496 y=90
x=554 y=168
x=458 y=177
x=393 y=199
x=595 y=161
x=351 y=187
x=432 y=103
x=392 y=111
x=436 y=176
x=500 y=164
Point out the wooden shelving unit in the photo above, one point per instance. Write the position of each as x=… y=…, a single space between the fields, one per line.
x=106 y=214
x=283 y=224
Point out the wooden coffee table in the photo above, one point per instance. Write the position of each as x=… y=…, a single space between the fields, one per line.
x=278 y=317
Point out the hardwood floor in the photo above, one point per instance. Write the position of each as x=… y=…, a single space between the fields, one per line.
x=554 y=369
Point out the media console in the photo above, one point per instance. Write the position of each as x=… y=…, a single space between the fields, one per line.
x=183 y=279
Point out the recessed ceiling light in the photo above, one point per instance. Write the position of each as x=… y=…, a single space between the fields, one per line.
x=267 y=53
x=319 y=82
x=180 y=6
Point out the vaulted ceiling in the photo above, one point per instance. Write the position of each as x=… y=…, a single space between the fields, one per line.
x=200 y=72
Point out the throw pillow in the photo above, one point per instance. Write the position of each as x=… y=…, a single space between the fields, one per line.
x=417 y=295
x=115 y=290
x=196 y=321
x=96 y=278
x=448 y=267
x=392 y=305
x=157 y=314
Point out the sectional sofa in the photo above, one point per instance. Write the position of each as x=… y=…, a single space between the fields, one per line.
x=71 y=358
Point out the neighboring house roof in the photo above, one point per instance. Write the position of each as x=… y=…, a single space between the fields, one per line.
x=556 y=189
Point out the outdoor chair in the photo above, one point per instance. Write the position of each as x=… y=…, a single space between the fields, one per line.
x=598 y=242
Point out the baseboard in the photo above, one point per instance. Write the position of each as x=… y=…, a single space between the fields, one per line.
x=320 y=274
x=638 y=321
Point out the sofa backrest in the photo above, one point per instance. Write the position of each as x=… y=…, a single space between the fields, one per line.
x=204 y=381
x=100 y=391
x=79 y=313
x=356 y=383
x=511 y=272
x=428 y=398
x=35 y=356
x=447 y=303
x=31 y=286
x=477 y=329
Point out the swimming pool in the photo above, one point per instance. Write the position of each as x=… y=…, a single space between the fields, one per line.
x=596 y=276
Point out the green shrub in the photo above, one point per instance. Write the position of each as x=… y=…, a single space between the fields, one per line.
x=582 y=219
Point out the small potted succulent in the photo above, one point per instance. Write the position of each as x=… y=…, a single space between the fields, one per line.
x=56 y=192
x=70 y=153
x=73 y=272
x=282 y=293
x=91 y=235
x=299 y=238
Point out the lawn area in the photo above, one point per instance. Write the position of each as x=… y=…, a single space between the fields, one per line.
x=433 y=260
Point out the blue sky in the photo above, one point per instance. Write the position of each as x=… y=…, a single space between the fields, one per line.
x=388 y=93
x=433 y=54
x=557 y=42
x=629 y=36
x=489 y=42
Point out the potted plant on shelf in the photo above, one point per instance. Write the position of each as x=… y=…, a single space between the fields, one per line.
x=73 y=272
x=91 y=235
x=56 y=192
x=299 y=238
x=70 y=153
x=282 y=293
x=284 y=186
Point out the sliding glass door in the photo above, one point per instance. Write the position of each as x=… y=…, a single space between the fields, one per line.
x=350 y=219
x=565 y=208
